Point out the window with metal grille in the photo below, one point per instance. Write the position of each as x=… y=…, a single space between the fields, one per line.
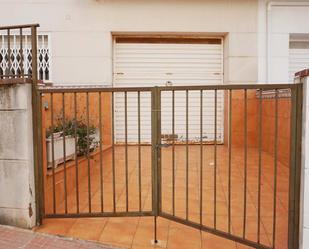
x=21 y=58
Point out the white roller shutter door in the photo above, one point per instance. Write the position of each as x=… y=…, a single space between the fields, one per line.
x=158 y=64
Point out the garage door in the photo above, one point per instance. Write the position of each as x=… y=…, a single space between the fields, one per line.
x=161 y=62
x=298 y=57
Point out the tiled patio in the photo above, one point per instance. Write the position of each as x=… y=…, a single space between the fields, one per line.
x=138 y=232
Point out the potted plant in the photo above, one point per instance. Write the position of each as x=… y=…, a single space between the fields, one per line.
x=68 y=130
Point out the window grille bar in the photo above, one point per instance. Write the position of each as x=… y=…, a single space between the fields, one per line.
x=21 y=53
x=9 y=52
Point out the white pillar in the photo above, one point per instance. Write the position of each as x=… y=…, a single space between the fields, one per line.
x=17 y=192
x=304 y=212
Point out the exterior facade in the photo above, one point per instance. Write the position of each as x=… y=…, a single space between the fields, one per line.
x=258 y=37
x=128 y=43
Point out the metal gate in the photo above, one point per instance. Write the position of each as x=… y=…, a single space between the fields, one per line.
x=190 y=181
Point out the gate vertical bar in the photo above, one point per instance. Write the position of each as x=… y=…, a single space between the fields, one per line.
x=53 y=151
x=201 y=157
x=126 y=148
x=101 y=153
x=76 y=159
x=215 y=160
x=173 y=150
x=113 y=153
x=295 y=166
x=245 y=161
x=260 y=166
x=275 y=170
x=187 y=155
x=139 y=150
x=88 y=153
x=64 y=155
x=155 y=133
x=230 y=161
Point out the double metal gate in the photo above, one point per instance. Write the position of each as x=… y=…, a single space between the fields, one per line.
x=232 y=190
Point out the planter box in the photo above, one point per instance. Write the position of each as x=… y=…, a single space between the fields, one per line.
x=58 y=150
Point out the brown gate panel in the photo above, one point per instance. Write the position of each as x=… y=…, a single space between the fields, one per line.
x=86 y=171
x=241 y=190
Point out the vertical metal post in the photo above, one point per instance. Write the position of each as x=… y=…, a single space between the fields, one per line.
x=76 y=159
x=187 y=155
x=155 y=133
x=101 y=153
x=64 y=155
x=113 y=152
x=88 y=153
x=37 y=131
x=215 y=161
x=275 y=169
x=126 y=148
x=53 y=150
x=201 y=157
x=295 y=165
x=139 y=150
x=260 y=167
x=230 y=160
x=173 y=152
x=245 y=162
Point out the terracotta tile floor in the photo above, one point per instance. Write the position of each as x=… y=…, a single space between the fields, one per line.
x=135 y=232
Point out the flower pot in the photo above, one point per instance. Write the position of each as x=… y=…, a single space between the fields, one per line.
x=58 y=150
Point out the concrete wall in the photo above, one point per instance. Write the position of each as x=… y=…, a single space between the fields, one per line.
x=17 y=197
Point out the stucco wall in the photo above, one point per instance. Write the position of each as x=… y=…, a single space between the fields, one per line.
x=17 y=197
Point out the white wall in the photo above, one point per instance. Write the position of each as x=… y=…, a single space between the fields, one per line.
x=284 y=19
x=304 y=236
x=82 y=41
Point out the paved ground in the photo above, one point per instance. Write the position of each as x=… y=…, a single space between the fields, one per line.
x=137 y=233
x=11 y=238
